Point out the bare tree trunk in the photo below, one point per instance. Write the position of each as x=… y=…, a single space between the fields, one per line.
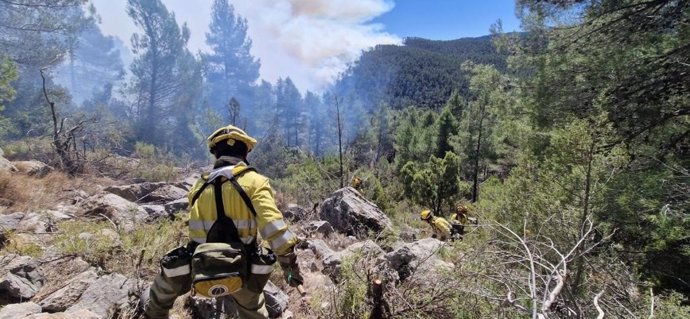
x=579 y=262
x=475 y=173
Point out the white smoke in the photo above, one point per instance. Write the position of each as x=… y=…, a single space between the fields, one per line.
x=312 y=41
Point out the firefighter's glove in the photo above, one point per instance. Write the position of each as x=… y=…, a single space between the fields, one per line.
x=291 y=272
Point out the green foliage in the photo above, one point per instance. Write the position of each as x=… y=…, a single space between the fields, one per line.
x=353 y=289
x=165 y=77
x=310 y=180
x=421 y=72
x=435 y=184
x=16 y=244
x=8 y=73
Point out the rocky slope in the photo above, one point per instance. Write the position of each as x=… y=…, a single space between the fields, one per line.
x=51 y=281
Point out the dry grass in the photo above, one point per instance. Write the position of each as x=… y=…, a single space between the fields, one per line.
x=23 y=193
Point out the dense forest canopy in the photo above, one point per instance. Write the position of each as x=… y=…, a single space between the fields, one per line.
x=570 y=139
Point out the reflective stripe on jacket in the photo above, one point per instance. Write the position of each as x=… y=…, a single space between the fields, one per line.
x=269 y=220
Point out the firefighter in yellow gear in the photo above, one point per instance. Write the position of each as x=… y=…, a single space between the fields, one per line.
x=356 y=183
x=460 y=215
x=439 y=225
x=230 y=146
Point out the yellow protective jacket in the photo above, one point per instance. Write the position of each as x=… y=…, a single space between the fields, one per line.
x=441 y=227
x=459 y=218
x=269 y=220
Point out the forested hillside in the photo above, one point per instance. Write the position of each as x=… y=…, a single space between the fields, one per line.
x=568 y=142
x=420 y=72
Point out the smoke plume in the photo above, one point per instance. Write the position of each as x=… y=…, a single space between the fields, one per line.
x=312 y=41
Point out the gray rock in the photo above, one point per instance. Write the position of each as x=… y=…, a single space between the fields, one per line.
x=321 y=226
x=6 y=166
x=150 y=193
x=368 y=250
x=176 y=206
x=276 y=300
x=35 y=223
x=420 y=255
x=319 y=247
x=408 y=234
x=188 y=182
x=20 y=277
x=33 y=168
x=61 y=214
x=68 y=295
x=295 y=212
x=81 y=314
x=121 y=211
x=155 y=211
x=19 y=310
x=104 y=295
x=10 y=222
x=351 y=213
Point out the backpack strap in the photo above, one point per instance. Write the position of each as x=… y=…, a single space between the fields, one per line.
x=242 y=193
x=221 y=218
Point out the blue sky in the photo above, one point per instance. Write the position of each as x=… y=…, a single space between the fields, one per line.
x=448 y=19
x=312 y=41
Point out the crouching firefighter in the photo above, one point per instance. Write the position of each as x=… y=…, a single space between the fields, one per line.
x=228 y=207
x=440 y=226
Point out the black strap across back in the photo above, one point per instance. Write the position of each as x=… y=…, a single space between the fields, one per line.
x=224 y=229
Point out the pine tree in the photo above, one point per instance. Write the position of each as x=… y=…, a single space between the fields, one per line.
x=231 y=70
x=155 y=76
x=447 y=127
x=289 y=110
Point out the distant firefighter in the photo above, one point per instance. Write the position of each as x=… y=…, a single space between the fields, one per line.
x=440 y=226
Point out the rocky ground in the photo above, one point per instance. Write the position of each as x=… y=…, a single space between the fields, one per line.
x=49 y=268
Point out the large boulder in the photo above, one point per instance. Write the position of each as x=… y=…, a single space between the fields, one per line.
x=420 y=255
x=150 y=193
x=105 y=295
x=349 y=212
x=68 y=295
x=120 y=211
x=33 y=168
x=20 y=277
x=19 y=310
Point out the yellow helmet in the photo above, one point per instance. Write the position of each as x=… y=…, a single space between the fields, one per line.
x=462 y=208
x=426 y=214
x=231 y=134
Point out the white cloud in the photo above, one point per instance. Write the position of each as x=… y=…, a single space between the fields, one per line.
x=311 y=41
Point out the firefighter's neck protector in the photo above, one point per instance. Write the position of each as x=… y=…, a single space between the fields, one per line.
x=230 y=134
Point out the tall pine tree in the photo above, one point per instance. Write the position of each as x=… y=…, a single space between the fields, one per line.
x=231 y=70
x=156 y=78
